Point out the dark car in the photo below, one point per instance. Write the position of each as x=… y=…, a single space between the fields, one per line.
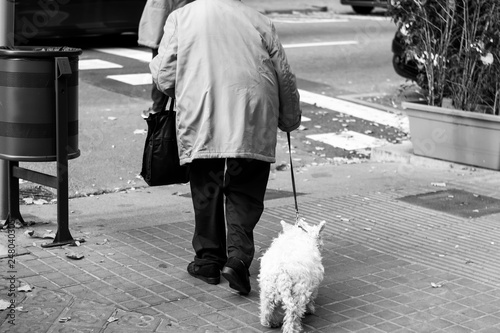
x=75 y=18
x=364 y=6
x=403 y=67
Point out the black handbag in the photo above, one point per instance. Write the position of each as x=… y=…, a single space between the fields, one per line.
x=160 y=161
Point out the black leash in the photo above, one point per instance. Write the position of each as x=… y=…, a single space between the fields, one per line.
x=293 y=179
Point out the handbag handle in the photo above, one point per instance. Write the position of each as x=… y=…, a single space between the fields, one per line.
x=172 y=102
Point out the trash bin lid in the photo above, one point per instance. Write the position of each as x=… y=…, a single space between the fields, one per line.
x=38 y=51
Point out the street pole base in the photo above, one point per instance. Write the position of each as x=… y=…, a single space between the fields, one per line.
x=57 y=243
x=14 y=222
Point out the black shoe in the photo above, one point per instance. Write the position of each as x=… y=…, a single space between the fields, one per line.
x=209 y=273
x=236 y=273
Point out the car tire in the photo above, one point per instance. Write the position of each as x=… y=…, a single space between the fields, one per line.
x=362 y=10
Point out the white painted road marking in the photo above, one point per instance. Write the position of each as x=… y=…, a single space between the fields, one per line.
x=144 y=56
x=133 y=79
x=318 y=20
x=348 y=140
x=89 y=64
x=319 y=44
x=355 y=110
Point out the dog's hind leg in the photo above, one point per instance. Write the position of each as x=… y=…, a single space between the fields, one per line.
x=268 y=304
x=295 y=307
x=310 y=308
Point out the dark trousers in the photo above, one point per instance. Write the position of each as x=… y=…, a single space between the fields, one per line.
x=242 y=182
x=159 y=98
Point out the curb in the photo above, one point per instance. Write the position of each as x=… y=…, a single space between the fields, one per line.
x=403 y=153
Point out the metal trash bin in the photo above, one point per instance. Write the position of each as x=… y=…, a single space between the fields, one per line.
x=28 y=102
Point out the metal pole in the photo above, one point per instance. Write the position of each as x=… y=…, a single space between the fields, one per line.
x=6 y=39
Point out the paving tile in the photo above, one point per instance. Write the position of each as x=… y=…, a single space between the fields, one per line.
x=153 y=300
x=25 y=327
x=46 y=312
x=134 y=304
x=130 y=321
x=65 y=328
x=41 y=296
x=387 y=327
x=371 y=320
x=87 y=314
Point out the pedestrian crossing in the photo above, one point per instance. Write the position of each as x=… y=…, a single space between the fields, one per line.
x=346 y=139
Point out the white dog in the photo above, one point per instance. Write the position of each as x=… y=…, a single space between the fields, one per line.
x=290 y=274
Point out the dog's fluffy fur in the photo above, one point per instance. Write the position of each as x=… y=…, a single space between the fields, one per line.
x=290 y=274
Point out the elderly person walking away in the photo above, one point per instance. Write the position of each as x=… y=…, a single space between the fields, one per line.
x=151 y=25
x=227 y=69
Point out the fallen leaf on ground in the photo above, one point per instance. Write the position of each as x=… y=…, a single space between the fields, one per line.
x=25 y=288
x=40 y=202
x=75 y=256
x=4 y=304
x=35 y=234
x=281 y=167
x=77 y=242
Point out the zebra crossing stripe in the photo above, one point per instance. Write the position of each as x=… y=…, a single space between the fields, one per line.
x=133 y=79
x=337 y=43
x=90 y=64
x=355 y=110
x=304 y=21
x=348 y=140
x=144 y=56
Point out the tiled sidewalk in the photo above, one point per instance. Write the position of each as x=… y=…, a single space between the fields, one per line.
x=390 y=267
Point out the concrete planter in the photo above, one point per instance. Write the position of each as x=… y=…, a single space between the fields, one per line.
x=453 y=135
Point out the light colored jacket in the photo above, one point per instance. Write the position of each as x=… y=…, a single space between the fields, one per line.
x=153 y=19
x=233 y=85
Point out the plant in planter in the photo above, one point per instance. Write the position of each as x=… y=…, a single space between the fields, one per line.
x=456 y=45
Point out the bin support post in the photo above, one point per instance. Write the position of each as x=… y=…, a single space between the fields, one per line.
x=6 y=39
x=13 y=199
x=4 y=190
x=63 y=71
